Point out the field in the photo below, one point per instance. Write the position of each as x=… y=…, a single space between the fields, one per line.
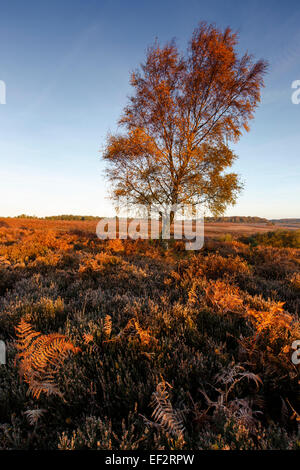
x=128 y=345
x=211 y=229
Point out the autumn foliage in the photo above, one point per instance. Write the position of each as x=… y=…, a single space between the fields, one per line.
x=184 y=111
x=124 y=345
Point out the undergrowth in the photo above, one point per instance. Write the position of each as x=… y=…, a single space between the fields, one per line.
x=124 y=345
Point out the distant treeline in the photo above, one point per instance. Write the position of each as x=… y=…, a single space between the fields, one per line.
x=286 y=221
x=238 y=220
x=25 y=216
x=60 y=217
x=233 y=219
x=72 y=217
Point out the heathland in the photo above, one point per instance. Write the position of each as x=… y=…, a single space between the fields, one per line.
x=129 y=345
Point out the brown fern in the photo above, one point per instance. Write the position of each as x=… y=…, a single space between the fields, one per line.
x=40 y=358
x=169 y=419
x=133 y=331
x=33 y=416
x=88 y=338
x=224 y=297
x=107 y=326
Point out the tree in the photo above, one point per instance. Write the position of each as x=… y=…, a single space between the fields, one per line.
x=184 y=111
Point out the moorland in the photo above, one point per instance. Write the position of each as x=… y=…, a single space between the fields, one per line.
x=123 y=344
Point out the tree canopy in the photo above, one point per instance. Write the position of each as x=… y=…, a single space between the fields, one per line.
x=184 y=112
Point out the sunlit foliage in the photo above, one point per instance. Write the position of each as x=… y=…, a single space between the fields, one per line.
x=184 y=111
x=178 y=350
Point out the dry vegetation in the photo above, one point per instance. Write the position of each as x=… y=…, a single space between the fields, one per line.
x=122 y=345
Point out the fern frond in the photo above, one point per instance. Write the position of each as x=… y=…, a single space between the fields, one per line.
x=41 y=356
x=34 y=415
x=164 y=413
x=107 y=326
x=133 y=330
x=88 y=338
x=25 y=334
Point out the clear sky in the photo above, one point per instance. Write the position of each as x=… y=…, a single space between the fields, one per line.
x=66 y=66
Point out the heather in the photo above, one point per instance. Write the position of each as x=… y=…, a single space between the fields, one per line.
x=129 y=345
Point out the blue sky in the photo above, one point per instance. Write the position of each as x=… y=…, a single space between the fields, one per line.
x=66 y=67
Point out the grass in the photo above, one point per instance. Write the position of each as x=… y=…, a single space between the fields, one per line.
x=166 y=349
